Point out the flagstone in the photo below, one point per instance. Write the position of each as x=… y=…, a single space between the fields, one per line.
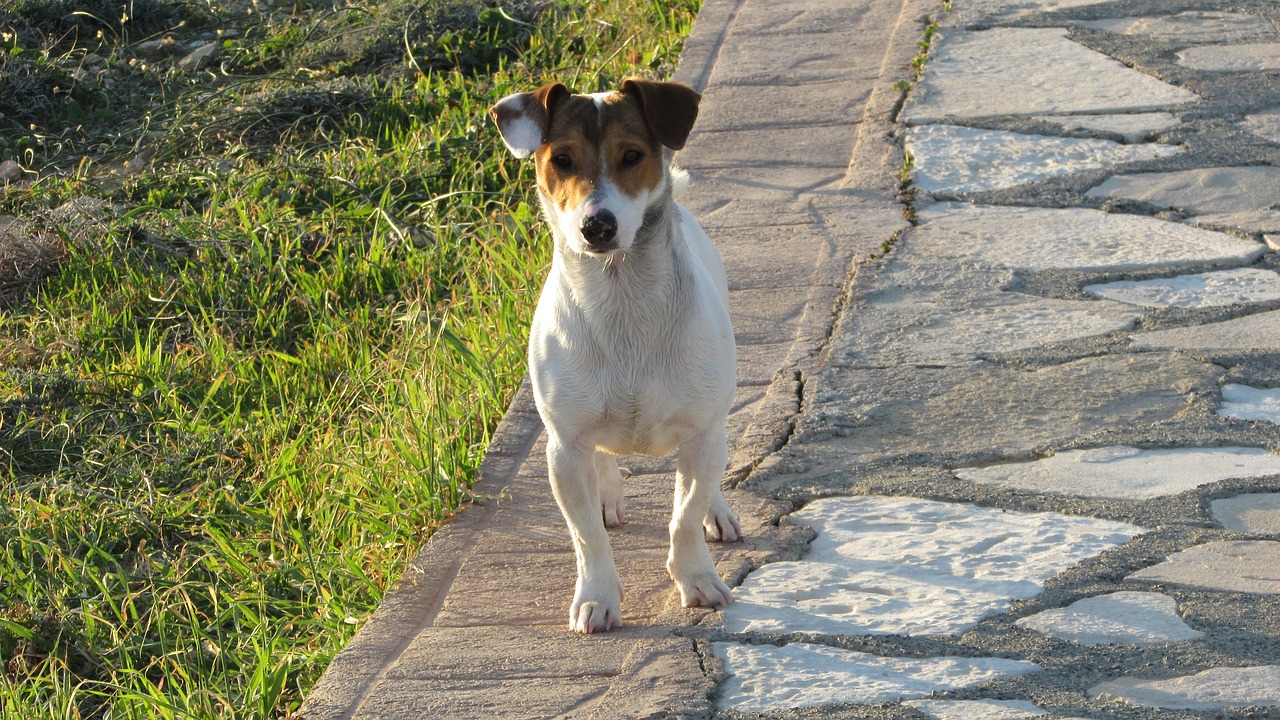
x=1026 y=238
x=1265 y=124
x=1251 y=512
x=1245 y=566
x=1219 y=190
x=1018 y=8
x=1132 y=618
x=976 y=709
x=888 y=412
x=765 y=678
x=1125 y=472
x=1248 y=220
x=905 y=566
x=962 y=159
x=1133 y=127
x=1189 y=27
x=943 y=328
x=1209 y=690
x=1251 y=332
x=1213 y=289
x=1252 y=57
x=1028 y=71
x=1248 y=403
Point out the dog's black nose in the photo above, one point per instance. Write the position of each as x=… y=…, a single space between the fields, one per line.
x=598 y=230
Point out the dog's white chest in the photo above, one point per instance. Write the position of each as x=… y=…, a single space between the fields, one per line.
x=642 y=404
x=646 y=416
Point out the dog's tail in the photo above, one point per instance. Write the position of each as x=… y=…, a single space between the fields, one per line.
x=679 y=182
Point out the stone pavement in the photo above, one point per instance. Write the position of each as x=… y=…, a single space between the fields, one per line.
x=1022 y=464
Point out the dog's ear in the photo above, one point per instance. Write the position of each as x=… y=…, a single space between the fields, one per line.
x=524 y=118
x=669 y=109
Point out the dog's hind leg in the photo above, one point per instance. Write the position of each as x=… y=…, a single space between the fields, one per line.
x=720 y=524
x=609 y=477
x=597 y=600
x=699 y=467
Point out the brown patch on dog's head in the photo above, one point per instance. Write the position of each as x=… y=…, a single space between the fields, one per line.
x=594 y=139
x=670 y=109
x=600 y=152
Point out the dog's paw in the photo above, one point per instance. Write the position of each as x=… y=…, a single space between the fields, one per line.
x=721 y=525
x=695 y=575
x=594 y=617
x=704 y=589
x=612 y=500
x=596 y=607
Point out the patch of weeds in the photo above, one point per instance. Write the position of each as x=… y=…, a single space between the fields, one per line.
x=921 y=58
x=92 y=23
x=449 y=35
x=28 y=254
x=28 y=91
x=310 y=114
x=887 y=246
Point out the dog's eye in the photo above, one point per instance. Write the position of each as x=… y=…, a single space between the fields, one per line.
x=562 y=161
x=631 y=157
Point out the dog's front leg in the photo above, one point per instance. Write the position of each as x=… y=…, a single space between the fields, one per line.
x=699 y=467
x=610 y=477
x=597 y=601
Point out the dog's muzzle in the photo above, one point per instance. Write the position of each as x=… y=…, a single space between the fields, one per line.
x=599 y=230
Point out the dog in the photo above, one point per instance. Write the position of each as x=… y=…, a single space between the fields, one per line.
x=631 y=349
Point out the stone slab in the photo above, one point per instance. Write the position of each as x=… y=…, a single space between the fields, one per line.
x=1028 y=71
x=1122 y=618
x=1249 y=220
x=1208 y=690
x=895 y=411
x=904 y=566
x=976 y=709
x=1248 y=403
x=1252 y=57
x=788 y=17
x=1251 y=332
x=1244 y=566
x=1196 y=26
x=483 y=699
x=804 y=105
x=974 y=10
x=1251 y=512
x=764 y=678
x=1240 y=286
x=953 y=327
x=1133 y=127
x=1127 y=473
x=1206 y=190
x=787 y=59
x=1265 y=124
x=1024 y=238
x=820 y=146
x=962 y=159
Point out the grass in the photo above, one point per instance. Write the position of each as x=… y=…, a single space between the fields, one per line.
x=257 y=321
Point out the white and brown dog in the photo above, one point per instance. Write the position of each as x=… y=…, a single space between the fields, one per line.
x=631 y=349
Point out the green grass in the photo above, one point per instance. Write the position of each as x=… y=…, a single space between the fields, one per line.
x=257 y=322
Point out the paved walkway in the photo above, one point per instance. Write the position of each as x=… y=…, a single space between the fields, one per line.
x=1022 y=465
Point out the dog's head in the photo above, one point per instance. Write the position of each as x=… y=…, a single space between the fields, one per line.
x=599 y=157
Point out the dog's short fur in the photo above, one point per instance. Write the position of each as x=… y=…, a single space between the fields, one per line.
x=631 y=349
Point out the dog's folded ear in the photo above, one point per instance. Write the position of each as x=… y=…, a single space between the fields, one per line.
x=524 y=118
x=670 y=109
